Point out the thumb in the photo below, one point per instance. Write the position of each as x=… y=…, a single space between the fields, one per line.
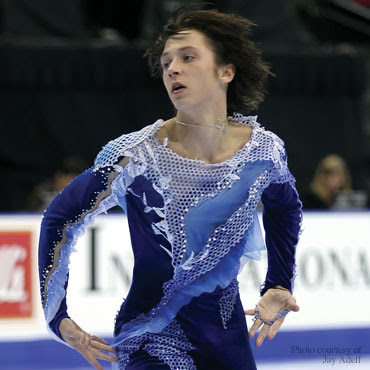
x=293 y=306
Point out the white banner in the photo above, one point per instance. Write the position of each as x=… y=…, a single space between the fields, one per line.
x=332 y=285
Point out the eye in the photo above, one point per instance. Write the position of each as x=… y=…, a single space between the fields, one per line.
x=165 y=63
x=188 y=58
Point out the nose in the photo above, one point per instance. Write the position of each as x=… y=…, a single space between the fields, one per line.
x=173 y=69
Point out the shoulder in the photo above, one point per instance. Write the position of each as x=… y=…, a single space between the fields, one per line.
x=265 y=144
x=270 y=139
x=270 y=146
x=275 y=147
x=120 y=147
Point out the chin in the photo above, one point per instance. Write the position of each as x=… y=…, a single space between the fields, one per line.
x=180 y=105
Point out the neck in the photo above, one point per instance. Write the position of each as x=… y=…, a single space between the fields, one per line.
x=218 y=125
x=208 y=126
x=207 y=140
x=206 y=119
x=205 y=112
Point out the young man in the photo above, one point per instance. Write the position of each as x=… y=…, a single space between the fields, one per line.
x=190 y=187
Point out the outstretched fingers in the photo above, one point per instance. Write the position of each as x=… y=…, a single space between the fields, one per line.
x=275 y=328
x=103 y=355
x=91 y=348
x=262 y=334
x=267 y=330
x=253 y=330
x=250 y=311
x=98 y=339
x=269 y=327
x=101 y=345
x=85 y=350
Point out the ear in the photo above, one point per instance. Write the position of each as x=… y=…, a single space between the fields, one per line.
x=227 y=73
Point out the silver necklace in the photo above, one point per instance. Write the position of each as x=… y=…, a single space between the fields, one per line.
x=218 y=125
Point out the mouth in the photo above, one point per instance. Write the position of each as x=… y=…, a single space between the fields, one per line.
x=177 y=87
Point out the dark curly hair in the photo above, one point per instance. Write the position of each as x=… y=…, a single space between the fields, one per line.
x=229 y=37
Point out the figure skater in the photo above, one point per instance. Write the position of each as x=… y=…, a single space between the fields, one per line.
x=189 y=186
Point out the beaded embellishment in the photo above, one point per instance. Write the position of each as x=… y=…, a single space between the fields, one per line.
x=170 y=346
x=227 y=302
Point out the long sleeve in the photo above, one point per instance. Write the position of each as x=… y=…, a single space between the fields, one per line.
x=282 y=221
x=64 y=221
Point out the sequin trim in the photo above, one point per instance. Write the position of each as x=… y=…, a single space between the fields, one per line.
x=227 y=302
x=171 y=346
x=53 y=286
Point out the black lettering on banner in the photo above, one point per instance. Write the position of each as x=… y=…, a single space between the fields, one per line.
x=93 y=267
x=120 y=269
x=312 y=256
x=364 y=267
x=340 y=267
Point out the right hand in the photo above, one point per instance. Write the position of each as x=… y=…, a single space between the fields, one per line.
x=90 y=346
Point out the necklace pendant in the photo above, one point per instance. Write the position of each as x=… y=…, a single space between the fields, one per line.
x=221 y=127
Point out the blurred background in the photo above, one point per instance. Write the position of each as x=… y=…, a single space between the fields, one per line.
x=72 y=77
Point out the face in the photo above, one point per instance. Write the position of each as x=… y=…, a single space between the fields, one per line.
x=334 y=180
x=190 y=74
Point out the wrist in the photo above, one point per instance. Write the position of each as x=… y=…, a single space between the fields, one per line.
x=281 y=288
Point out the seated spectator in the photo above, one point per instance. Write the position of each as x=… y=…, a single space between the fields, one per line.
x=331 y=178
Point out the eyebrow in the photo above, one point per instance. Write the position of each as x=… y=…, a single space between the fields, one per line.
x=181 y=49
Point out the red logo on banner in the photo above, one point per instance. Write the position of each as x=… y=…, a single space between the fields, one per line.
x=15 y=274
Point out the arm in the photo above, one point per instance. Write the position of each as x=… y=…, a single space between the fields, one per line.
x=282 y=216
x=64 y=220
x=282 y=221
x=91 y=193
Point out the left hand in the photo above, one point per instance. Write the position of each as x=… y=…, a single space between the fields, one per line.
x=91 y=347
x=273 y=302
